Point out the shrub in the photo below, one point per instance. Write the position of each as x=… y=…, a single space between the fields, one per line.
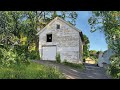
x=58 y=58
x=22 y=54
x=34 y=55
x=7 y=57
x=12 y=56
x=114 y=67
x=23 y=49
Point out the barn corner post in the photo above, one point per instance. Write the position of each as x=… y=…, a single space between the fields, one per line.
x=40 y=48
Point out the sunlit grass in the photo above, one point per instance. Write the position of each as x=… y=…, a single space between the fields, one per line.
x=32 y=71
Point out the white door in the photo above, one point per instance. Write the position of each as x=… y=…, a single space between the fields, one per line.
x=49 y=53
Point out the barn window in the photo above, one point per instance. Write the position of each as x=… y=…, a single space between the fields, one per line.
x=49 y=37
x=58 y=26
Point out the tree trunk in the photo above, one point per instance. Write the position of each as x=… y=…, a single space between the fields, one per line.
x=37 y=44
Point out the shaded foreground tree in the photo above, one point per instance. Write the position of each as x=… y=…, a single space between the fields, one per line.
x=109 y=23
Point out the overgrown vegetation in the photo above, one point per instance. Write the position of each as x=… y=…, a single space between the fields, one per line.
x=74 y=65
x=58 y=58
x=34 y=55
x=19 y=42
x=16 y=64
x=32 y=71
x=10 y=57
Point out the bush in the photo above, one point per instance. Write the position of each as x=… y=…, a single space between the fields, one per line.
x=58 y=58
x=12 y=56
x=22 y=54
x=21 y=49
x=114 y=67
x=7 y=57
x=34 y=55
x=23 y=58
x=28 y=54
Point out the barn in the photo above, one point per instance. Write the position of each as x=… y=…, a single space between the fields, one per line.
x=60 y=37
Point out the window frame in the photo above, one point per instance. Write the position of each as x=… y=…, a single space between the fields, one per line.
x=57 y=25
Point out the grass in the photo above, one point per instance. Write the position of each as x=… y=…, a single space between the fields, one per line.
x=32 y=71
x=74 y=65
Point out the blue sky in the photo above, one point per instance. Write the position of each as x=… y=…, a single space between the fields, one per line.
x=97 y=39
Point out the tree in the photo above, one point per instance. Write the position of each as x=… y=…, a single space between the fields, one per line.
x=93 y=52
x=44 y=17
x=9 y=26
x=109 y=23
x=86 y=47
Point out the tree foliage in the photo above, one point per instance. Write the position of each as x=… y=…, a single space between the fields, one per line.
x=86 y=47
x=17 y=28
x=44 y=17
x=93 y=52
x=109 y=23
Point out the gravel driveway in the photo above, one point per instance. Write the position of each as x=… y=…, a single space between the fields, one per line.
x=91 y=71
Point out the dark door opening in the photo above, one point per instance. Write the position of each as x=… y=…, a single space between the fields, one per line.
x=49 y=37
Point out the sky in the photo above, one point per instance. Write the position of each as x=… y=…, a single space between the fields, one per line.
x=97 y=38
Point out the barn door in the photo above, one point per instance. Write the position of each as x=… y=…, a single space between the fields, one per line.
x=49 y=53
